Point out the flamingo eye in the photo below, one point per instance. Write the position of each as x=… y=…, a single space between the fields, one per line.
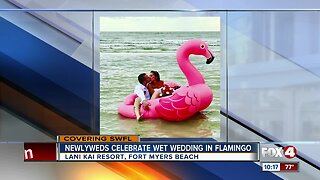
x=202 y=46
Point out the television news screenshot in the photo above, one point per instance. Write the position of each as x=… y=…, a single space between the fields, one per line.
x=159 y=90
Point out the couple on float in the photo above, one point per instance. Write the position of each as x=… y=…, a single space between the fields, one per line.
x=183 y=103
x=149 y=87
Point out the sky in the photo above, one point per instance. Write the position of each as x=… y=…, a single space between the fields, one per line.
x=138 y=24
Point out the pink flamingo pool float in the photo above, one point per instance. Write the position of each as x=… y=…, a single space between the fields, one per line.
x=185 y=101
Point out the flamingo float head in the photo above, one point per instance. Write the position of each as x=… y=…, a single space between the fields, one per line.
x=197 y=47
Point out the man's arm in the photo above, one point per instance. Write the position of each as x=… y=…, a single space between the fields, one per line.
x=139 y=91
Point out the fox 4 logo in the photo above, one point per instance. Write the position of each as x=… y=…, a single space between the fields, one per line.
x=288 y=152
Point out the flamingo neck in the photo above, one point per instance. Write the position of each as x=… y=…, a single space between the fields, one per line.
x=189 y=70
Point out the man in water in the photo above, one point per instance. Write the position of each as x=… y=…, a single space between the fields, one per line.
x=143 y=95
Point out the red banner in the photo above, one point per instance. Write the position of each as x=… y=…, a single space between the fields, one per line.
x=40 y=151
x=289 y=166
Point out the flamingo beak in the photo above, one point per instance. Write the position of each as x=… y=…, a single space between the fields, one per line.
x=210 y=57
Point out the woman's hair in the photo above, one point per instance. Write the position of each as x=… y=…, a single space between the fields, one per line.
x=156 y=74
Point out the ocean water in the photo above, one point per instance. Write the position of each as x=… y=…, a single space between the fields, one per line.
x=124 y=55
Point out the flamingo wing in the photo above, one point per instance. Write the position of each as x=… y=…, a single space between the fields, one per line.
x=180 y=106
